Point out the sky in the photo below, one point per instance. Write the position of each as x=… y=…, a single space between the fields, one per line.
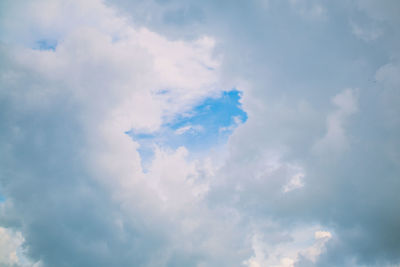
x=260 y=133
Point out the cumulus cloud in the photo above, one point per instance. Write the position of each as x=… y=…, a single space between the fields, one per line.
x=9 y=244
x=335 y=139
x=306 y=176
x=83 y=191
x=301 y=244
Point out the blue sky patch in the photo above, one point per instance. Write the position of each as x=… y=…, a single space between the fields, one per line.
x=46 y=44
x=208 y=124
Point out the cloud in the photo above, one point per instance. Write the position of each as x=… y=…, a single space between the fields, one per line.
x=307 y=174
x=9 y=244
x=312 y=10
x=335 y=139
x=295 y=182
x=291 y=249
x=386 y=10
x=366 y=34
x=79 y=196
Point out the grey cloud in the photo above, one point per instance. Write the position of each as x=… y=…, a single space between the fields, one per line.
x=293 y=68
x=294 y=73
x=71 y=209
x=53 y=201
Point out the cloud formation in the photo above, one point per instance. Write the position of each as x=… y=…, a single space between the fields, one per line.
x=307 y=171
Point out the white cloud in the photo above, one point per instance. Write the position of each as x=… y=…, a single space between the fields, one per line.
x=9 y=243
x=75 y=177
x=298 y=245
x=312 y=10
x=389 y=75
x=366 y=34
x=322 y=235
x=335 y=139
x=12 y=250
x=114 y=71
x=294 y=183
x=108 y=74
x=184 y=129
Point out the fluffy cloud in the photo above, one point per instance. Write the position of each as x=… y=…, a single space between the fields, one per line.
x=80 y=190
x=302 y=246
x=9 y=244
x=335 y=139
x=310 y=179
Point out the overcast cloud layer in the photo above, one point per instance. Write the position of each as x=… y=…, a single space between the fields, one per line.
x=199 y=133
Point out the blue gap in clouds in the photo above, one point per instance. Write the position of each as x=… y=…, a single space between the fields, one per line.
x=207 y=125
x=45 y=44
